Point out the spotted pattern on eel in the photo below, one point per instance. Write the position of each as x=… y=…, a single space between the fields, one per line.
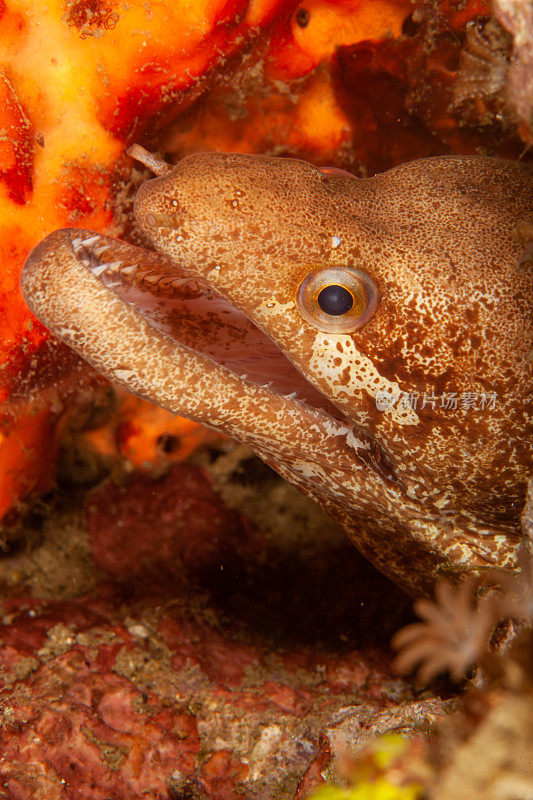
x=210 y=326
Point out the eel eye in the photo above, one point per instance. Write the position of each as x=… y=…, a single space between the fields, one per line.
x=338 y=299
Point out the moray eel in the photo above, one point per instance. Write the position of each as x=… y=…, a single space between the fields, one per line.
x=370 y=339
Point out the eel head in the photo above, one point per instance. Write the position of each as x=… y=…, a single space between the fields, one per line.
x=369 y=338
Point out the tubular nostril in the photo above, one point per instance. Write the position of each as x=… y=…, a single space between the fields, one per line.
x=150 y=160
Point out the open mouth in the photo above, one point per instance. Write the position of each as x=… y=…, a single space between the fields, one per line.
x=192 y=314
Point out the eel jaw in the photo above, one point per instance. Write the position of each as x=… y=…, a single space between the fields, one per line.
x=74 y=275
x=191 y=312
x=138 y=318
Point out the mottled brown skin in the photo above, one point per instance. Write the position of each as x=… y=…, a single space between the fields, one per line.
x=422 y=492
